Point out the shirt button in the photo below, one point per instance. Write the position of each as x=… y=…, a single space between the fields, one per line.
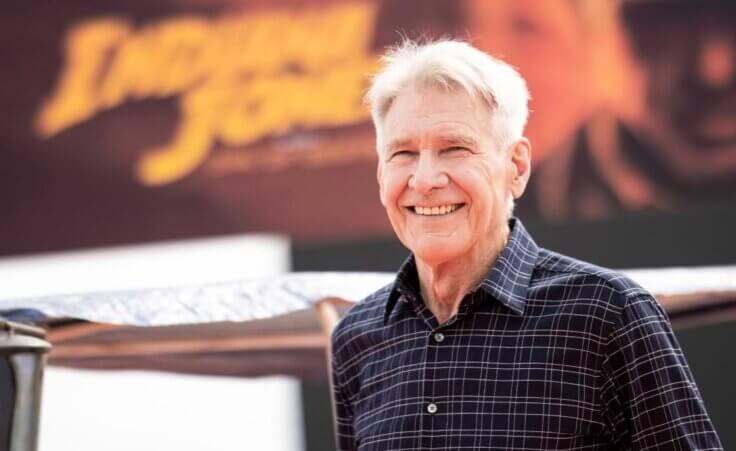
x=439 y=337
x=432 y=407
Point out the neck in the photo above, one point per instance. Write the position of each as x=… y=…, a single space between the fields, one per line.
x=445 y=284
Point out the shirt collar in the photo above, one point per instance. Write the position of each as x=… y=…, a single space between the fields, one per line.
x=406 y=284
x=507 y=281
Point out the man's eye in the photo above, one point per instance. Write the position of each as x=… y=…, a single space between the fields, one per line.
x=402 y=154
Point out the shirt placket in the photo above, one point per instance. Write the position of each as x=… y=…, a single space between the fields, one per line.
x=438 y=363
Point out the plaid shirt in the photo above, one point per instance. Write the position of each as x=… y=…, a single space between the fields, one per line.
x=546 y=353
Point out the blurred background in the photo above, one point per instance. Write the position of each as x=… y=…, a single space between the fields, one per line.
x=129 y=122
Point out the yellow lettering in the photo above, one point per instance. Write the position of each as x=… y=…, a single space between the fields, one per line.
x=159 y=61
x=240 y=79
x=74 y=98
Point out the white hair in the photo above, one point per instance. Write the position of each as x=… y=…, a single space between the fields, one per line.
x=450 y=64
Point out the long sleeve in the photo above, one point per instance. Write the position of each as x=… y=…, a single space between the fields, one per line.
x=341 y=408
x=649 y=395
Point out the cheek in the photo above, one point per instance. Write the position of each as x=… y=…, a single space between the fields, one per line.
x=488 y=190
x=392 y=185
x=382 y=193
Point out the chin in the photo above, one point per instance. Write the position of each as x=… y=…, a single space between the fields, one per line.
x=438 y=251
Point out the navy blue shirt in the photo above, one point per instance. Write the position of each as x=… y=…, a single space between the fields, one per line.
x=546 y=353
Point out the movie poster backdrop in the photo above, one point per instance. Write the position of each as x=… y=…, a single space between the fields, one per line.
x=129 y=121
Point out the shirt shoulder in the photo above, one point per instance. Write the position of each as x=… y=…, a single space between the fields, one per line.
x=363 y=317
x=584 y=285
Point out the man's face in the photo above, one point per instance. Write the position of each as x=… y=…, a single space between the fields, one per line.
x=445 y=183
x=689 y=52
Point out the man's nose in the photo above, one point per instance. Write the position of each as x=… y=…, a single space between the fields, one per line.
x=716 y=59
x=428 y=174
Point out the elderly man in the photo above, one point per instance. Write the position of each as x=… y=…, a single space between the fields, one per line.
x=485 y=340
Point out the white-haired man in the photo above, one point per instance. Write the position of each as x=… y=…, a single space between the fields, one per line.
x=485 y=340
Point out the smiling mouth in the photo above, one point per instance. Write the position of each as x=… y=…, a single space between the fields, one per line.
x=439 y=210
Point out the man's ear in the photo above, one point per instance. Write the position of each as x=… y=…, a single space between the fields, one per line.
x=521 y=159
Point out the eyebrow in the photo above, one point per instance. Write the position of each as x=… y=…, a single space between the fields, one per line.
x=399 y=143
x=458 y=140
x=446 y=140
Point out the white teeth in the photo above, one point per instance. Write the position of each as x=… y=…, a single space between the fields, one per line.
x=436 y=211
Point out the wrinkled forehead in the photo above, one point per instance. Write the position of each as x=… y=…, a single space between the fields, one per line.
x=420 y=109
